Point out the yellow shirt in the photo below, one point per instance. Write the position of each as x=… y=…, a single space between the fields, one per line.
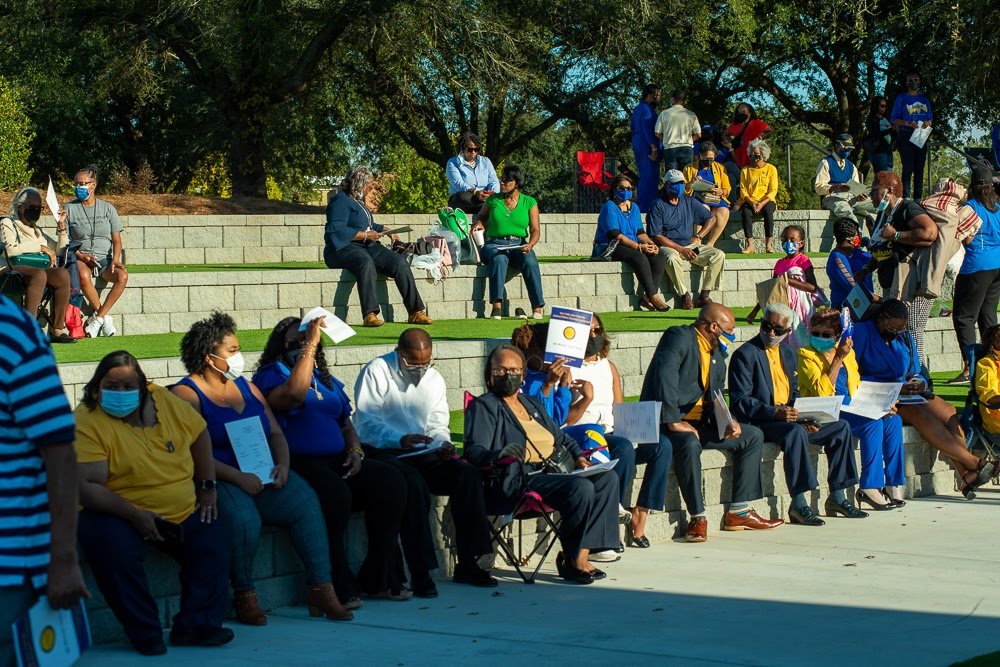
x=988 y=387
x=813 y=370
x=779 y=378
x=705 y=353
x=757 y=183
x=718 y=172
x=150 y=467
x=542 y=444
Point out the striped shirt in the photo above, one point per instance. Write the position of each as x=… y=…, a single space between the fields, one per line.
x=34 y=413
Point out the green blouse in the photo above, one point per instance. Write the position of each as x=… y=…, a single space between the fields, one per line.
x=501 y=222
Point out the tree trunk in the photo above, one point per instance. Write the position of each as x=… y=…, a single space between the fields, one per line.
x=247 y=151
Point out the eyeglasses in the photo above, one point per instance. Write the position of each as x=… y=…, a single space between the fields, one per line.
x=622 y=188
x=31 y=209
x=84 y=184
x=404 y=362
x=824 y=334
x=503 y=372
x=767 y=327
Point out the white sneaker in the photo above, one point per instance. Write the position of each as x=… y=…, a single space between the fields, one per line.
x=92 y=328
x=108 y=327
x=606 y=556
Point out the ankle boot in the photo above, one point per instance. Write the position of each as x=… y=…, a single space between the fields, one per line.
x=247 y=608
x=322 y=601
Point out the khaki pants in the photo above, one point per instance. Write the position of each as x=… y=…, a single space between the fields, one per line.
x=844 y=205
x=677 y=269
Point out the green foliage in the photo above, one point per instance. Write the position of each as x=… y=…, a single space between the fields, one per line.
x=409 y=183
x=15 y=138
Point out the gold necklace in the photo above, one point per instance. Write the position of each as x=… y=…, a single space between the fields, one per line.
x=315 y=388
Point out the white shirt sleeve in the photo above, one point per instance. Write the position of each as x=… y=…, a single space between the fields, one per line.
x=822 y=184
x=370 y=390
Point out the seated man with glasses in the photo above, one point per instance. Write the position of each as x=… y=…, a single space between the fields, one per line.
x=687 y=369
x=471 y=175
x=401 y=406
x=762 y=391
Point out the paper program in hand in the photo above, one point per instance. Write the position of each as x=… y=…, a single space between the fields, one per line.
x=333 y=326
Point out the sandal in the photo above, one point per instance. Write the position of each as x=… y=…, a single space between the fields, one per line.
x=961 y=378
x=983 y=473
x=400 y=595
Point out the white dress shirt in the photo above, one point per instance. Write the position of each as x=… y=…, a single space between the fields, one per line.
x=386 y=407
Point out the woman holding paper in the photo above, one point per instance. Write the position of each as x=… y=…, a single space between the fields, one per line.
x=246 y=436
x=829 y=368
x=138 y=449
x=886 y=353
x=314 y=412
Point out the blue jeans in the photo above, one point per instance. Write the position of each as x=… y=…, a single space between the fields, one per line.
x=498 y=259
x=881 y=161
x=295 y=506
x=913 y=160
x=881 y=449
x=653 y=490
x=677 y=158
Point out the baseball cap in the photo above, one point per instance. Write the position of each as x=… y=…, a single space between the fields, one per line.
x=845 y=140
x=673 y=176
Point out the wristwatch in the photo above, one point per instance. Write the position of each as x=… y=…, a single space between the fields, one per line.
x=205 y=485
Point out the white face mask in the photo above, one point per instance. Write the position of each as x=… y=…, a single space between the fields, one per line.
x=236 y=366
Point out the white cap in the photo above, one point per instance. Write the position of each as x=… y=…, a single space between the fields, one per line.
x=673 y=176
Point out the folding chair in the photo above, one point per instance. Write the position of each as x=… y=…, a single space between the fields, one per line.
x=592 y=180
x=15 y=287
x=976 y=435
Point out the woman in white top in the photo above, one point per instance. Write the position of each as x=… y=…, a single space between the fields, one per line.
x=606 y=385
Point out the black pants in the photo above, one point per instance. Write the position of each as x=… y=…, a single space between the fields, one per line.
x=459 y=480
x=116 y=553
x=746 y=449
x=746 y=212
x=368 y=260
x=588 y=507
x=976 y=298
x=794 y=442
x=465 y=202
x=648 y=269
x=913 y=160
x=379 y=491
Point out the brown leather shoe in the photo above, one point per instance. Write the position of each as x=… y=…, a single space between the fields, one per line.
x=322 y=601
x=420 y=317
x=247 y=608
x=688 y=303
x=703 y=300
x=373 y=320
x=750 y=521
x=697 y=529
x=657 y=302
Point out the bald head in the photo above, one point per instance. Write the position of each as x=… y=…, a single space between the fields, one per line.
x=716 y=312
x=414 y=340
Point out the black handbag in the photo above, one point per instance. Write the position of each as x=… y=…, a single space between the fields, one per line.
x=603 y=251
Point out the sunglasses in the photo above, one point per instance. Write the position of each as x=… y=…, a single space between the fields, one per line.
x=471 y=149
x=31 y=209
x=824 y=334
x=623 y=189
x=767 y=327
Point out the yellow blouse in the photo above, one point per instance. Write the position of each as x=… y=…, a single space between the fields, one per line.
x=779 y=378
x=756 y=184
x=813 y=370
x=987 y=388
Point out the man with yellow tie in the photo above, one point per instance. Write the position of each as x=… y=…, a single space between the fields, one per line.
x=762 y=391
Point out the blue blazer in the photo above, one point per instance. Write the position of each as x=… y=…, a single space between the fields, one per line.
x=751 y=390
x=345 y=217
x=896 y=361
x=674 y=376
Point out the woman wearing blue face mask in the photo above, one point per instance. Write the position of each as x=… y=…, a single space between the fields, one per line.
x=216 y=388
x=146 y=474
x=828 y=367
x=314 y=412
x=620 y=223
x=886 y=352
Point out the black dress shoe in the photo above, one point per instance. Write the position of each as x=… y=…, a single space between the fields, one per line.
x=805 y=516
x=632 y=540
x=598 y=574
x=863 y=500
x=474 y=576
x=203 y=635
x=152 y=646
x=571 y=573
x=843 y=508
x=425 y=589
x=893 y=501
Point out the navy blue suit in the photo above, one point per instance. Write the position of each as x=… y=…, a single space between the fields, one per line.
x=751 y=397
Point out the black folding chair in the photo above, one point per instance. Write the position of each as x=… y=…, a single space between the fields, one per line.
x=977 y=438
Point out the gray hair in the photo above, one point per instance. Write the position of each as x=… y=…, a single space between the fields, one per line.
x=765 y=150
x=779 y=309
x=356 y=180
x=20 y=198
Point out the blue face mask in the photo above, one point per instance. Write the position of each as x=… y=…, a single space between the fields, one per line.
x=790 y=247
x=677 y=188
x=844 y=154
x=81 y=192
x=119 y=403
x=883 y=205
x=623 y=195
x=725 y=340
x=822 y=344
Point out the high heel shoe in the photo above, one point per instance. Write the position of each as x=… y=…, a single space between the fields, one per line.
x=862 y=499
x=983 y=473
x=570 y=573
x=322 y=601
x=632 y=540
x=895 y=502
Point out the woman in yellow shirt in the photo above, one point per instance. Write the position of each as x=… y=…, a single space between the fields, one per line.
x=827 y=368
x=988 y=380
x=758 y=191
x=147 y=476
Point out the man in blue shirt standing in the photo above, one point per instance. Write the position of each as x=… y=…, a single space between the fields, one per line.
x=670 y=223
x=646 y=147
x=471 y=175
x=911 y=110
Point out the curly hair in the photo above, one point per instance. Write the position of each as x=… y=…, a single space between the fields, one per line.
x=845 y=229
x=604 y=351
x=111 y=361
x=760 y=145
x=275 y=349
x=356 y=180
x=829 y=317
x=890 y=181
x=202 y=339
x=894 y=309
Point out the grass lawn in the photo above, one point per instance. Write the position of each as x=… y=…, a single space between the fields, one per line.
x=151 y=346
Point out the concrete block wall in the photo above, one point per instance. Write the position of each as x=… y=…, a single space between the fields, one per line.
x=238 y=239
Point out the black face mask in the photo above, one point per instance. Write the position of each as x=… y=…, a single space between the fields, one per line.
x=31 y=214
x=741 y=117
x=756 y=156
x=506 y=385
x=594 y=345
x=704 y=164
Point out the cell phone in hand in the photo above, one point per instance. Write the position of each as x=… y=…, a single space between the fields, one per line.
x=169 y=531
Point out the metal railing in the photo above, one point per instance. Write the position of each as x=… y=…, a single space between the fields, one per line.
x=788 y=156
x=970 y=159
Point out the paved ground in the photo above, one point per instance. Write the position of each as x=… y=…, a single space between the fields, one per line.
x=918 y=586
